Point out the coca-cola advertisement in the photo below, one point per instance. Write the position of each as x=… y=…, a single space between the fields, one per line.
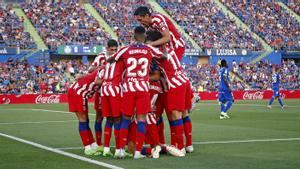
x=33 y=99
x=63 y=98
x=252 y=95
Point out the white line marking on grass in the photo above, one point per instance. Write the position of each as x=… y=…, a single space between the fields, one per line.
x=75 y=156
x=37 y=122
x=69 y=148
x=212 y=142
x=246 y=141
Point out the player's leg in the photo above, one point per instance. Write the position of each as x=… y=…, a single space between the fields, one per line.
x=272 y=100
x=142 y=107
x=229 y=101
x=187 y=123
x=127 y=108
x=106 y=112
x=98 y=130
x=107 y=137
x=280 y=100
x=222 y=102
x=98 y=121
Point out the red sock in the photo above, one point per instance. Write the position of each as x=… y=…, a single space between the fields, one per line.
x=98 y=132
x=91 y=137
x=85 y=137
x=152 y=136
x=179 y=136
x=98 y=138
x=161 y=133
x=117 y=125
x=140 y=135
x=107 y=135
x=173 y=137
x=123 y=133
x=187 y=130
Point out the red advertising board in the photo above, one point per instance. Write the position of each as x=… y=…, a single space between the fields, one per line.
x=62 y=98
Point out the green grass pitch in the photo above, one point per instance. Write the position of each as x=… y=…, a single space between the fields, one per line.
x=246 y=141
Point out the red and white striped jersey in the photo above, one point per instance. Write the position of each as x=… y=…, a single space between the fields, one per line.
x=112 y=79
x=85 y=86
x=172 y=70
x=161 y=23
x=100 y=60
x=137 y=59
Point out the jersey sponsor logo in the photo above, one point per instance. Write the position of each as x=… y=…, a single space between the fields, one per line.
x=253 y=96
x=47 y=99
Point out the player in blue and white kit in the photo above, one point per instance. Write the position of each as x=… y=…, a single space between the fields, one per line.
x=276 y=87
x=225 y=94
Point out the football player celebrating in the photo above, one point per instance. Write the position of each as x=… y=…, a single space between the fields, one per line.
x=100 y=60
x=164 y=25
x=136 y=98
x=78 y=94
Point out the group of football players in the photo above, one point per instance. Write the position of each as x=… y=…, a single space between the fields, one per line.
x=132 y=87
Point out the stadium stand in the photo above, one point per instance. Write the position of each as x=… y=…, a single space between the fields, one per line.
x=62 y=23
x=208 y=26
x=279 y=29
x=258 y=76
x=18 y=77
x=12 y=30
x=120 y=17
x=293 y=4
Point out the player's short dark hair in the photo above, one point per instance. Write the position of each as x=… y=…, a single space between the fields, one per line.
x=112 y=43
x=153 y=35
x=139 y=30
x=223 y=63
x=142 y=11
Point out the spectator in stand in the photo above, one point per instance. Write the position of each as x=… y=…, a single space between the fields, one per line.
x=62 y=23
x=12 y=30
x=209 y=26
x=121 y=18
x=270 y=21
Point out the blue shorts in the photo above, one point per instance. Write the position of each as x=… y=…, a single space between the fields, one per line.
x=225 y=96
x=276 y=93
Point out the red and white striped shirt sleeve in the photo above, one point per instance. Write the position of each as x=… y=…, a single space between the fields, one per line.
x=118 y=55
x=155 y=52
x=159 y=24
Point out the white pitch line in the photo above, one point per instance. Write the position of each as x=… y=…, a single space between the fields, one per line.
x=75 y=156
x=212 y=142
x=246 y=141
x=37 y=122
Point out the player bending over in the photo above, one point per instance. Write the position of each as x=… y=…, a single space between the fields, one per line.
x=276 y=88
x=78 y=95
x=225 y=94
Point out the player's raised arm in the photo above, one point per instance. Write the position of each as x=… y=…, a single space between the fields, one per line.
x=117 y=55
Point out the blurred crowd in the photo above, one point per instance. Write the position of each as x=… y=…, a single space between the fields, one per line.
x=12 y=30
x=256 y=76
x=209 y=26
x=18 y=77
x=120 y=17
x=270 y=21
x=293 y=4
x=61 y=23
